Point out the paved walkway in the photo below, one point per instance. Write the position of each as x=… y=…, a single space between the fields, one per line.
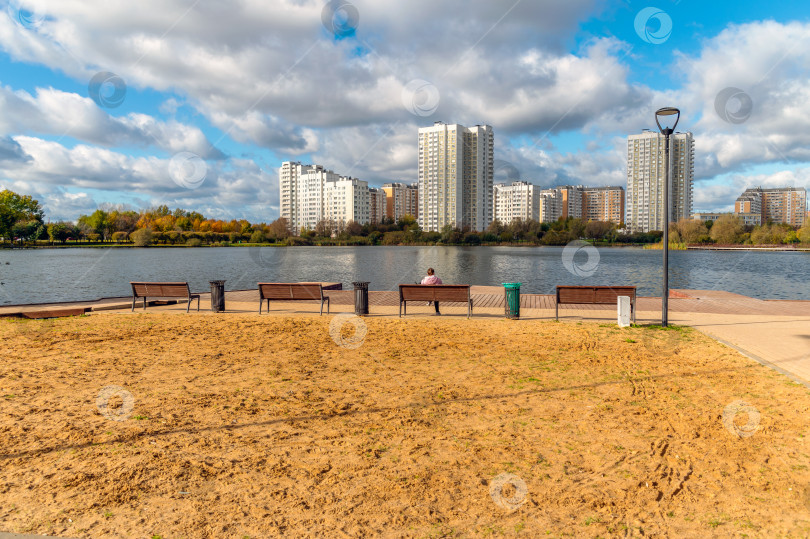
x=773 y=332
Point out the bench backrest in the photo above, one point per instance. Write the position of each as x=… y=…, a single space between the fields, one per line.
x=434 y=292
x=602 y=295
x=290 y=291
x=160 y=290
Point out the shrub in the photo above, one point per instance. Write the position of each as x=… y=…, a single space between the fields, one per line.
x=193 y=242
x=141 y=237
x=257 y=237
x=119 y=237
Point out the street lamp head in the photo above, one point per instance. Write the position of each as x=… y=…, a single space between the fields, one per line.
x=667 y=111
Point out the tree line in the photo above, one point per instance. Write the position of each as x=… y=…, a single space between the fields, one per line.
x=22 y=220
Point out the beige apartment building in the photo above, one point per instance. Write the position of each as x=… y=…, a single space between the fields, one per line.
x=644 y=202
x=376 y=199
x=455 y=176
x=603 y=204
x=401 y=200
x=578 y=201
x=779 y=205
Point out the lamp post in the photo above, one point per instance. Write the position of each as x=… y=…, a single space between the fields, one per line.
x=663 y=115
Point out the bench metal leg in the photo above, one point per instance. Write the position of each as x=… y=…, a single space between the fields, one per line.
x=144 y=303
x=133 y=303
x=557 y=311
x=188 y=305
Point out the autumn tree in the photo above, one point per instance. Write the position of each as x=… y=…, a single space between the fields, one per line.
x=727 y=229
x=691 y=230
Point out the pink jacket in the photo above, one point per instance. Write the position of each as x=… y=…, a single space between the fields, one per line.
x=431 y=279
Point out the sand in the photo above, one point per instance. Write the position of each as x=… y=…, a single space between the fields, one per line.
x=174 y=425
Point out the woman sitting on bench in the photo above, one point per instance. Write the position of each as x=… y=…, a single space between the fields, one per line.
x=431 y=278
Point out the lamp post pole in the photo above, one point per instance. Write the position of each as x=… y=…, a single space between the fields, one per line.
x=666 y=131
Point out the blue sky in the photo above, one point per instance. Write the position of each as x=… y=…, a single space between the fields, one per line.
x=215 y=95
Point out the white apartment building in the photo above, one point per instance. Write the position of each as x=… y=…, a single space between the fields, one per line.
x=346 y=199
x=645 y=180
x=455 y=176
x=310 y=193
x=518 y=200
x=549 y=206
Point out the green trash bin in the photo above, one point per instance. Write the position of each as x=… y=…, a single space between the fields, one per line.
x=512 y=303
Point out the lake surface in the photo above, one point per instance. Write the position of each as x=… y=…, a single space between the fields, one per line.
x=43 y=275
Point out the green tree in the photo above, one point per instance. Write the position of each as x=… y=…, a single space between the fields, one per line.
x=15 y=208
x=257 y=237
x=27 y=230
x=727 y=229
x=59 y=232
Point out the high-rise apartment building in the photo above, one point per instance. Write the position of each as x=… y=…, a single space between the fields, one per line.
x=310 y=193
x=376 y=199
x=455 y=176
x=645 y=180
x=782 y=205
x=310 y=203
x=549 y=206
x=570 y=201
x=401 y=200
x=518 y=200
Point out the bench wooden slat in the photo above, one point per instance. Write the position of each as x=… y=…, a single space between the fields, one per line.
x=594 y=295
x=163 y=290
x=292 y=292
x=458 y=293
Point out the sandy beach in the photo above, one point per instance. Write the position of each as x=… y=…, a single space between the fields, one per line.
x=171 y=425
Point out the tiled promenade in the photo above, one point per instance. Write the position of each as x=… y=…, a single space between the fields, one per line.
x=774 y=332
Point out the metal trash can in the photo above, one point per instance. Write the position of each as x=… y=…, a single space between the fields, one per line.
x=217 y=296
x=360 y=298
x=512 y=303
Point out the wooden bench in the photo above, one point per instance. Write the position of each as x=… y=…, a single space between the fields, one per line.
x=459 y=293
x=594 y=295
x=163 y=290
x=292 y=292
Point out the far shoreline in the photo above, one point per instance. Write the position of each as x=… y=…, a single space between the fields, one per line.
x=647 y=246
